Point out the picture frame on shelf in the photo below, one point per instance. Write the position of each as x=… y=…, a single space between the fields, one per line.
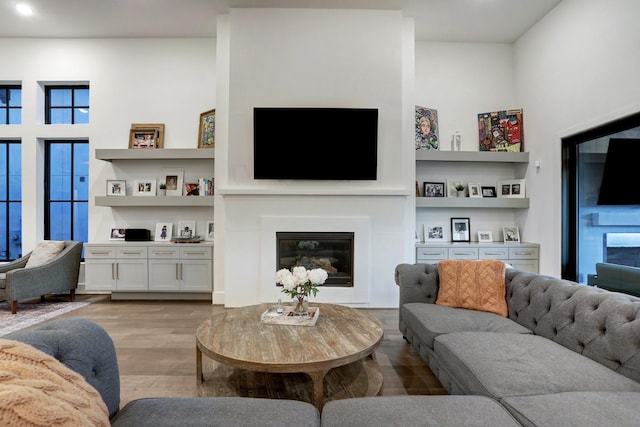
x=163 y=232
x=144 y=187
x=209 y=232
x=451 y=187
x=460 y=230
x=207 y=129
x=417 y=189
x=426 y=129
x=157 y=126
x=191 y=189
x=501 y=130
x=116 y=187
x=186 y=229
x=433 y=189
x=485 y=237
x=117 y=233
x=475 y=190
x=434 y=233
x=512 y=188
x=488 y=191
x=173 y=179
x=143 y=139
x=511 y=234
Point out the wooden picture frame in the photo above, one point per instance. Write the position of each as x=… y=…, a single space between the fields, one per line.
x=207 y=129
x=143 y=139
x=163 y=232
x=173 y=179
x=209 y=232
x=488 y=191
x=117 y=233
x=511 y=234
x=434 y=233
x=116 y=187
x=144 y=187
x=485 y=237
x=433 y=189
x=460 y=230
x=157 y=126
x=475 y=191
x=512 y=188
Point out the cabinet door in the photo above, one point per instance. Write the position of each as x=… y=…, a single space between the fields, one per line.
x=428 y=254
x=196 y=275
x=164 y=274
x=131 y=275
x=100 y=274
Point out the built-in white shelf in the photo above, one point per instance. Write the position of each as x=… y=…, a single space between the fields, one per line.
x=472 y=156
x=109 y=154
x=138 y=201
x=472 y=202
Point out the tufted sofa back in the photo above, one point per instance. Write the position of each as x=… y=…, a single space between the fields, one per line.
x=601 y=325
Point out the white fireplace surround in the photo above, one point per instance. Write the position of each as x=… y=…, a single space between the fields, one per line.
x=358 y=294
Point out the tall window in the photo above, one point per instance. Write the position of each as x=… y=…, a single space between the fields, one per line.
x=67 y=190
x=10 y=200
x=10 y=105
x=67 y=105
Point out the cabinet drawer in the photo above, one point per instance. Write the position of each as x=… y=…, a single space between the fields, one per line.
x=463 y=253
x=431 y=253
x=525 y=265
x=164 y=252
x=493 y=253
x=196 y=252
x=99 y=252
x=131 y=252
x=523 y=253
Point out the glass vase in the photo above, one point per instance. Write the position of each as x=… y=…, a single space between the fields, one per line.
x=301 y=305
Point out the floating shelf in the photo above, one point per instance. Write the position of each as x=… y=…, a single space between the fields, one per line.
x=138 y=201
x=472 y=202
x=472 y=156
x=110 y=154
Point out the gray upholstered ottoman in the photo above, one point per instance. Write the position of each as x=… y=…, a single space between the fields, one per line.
x=216 y=411
x=458 y=411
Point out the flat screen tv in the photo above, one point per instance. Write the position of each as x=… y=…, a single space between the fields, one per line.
x=619 y=175
x=315 y=143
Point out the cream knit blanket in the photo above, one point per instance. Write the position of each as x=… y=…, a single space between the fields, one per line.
x=38 y=390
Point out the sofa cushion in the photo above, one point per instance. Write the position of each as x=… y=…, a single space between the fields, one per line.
x=216 y=411
x=577 y=409
x=427 y=321
x=459 y=411
x=35 y=389
x=502 y=365
x=476 y=285
x=44 y=252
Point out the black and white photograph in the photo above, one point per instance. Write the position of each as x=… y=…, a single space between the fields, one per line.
x=460 y=230
x=485 y=237
x=434 y=233
x=475 y=190
x=513 y=188
x=488 y=191
x=511 y=234
x=116 y=187
x=433 y=189
x=144 y=187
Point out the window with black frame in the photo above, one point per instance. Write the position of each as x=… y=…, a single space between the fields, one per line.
x=67 y=104
x=10 y=200
x=10 y=104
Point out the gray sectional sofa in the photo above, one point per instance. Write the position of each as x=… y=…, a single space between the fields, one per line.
x=566 y=354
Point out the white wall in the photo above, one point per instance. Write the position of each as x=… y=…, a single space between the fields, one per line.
x=576 y=69
x=168 y=81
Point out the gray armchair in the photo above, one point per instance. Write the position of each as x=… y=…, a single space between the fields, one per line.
x=56 y=276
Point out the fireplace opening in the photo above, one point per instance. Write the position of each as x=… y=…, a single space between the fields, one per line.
x=330 y=251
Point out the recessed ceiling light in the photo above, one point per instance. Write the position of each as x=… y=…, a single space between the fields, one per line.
x=24 y=9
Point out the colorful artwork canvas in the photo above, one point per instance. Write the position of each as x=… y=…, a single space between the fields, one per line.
x=501 y=131
x=426 y=121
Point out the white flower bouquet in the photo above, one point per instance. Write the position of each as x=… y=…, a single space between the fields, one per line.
x=300 y=281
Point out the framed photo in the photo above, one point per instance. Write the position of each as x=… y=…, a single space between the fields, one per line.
x=143 y=138
x=117 y=233
x=157 y=126
x=426 y=122
x=434 y=233
x=207 y=132
x=186 y=229
x=433 y=189
x=116 y=187
x=485 y=237
x=451 y=187
x=488 y=191
x=163 y=232
x=191 y=189
x=501 y=130
x=209 y=232
x=513 y=188
x=460 y=230
x=474 y=190
x=173 y=180
x=511 y=234
x=144 y=187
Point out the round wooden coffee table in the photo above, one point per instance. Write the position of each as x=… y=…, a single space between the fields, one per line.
x=343 y=338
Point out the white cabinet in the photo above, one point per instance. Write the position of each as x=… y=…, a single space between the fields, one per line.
x=147 y=269
x=522 y=256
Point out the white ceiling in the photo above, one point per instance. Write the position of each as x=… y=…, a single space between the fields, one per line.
x=489 y=21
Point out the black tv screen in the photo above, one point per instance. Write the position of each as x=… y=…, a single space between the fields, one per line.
x=315 y=143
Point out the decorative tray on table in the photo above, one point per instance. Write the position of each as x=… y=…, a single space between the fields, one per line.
x=288 y=318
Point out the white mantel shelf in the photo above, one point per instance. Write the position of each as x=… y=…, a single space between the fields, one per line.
x=137 y=201
x=288 y=191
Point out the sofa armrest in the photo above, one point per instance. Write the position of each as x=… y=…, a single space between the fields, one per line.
x=418 y=282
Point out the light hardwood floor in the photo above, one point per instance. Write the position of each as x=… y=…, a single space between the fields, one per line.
x=155 y=345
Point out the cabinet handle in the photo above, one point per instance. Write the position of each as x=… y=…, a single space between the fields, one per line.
x=99 y=252
x=163 y=252
x=113 y=271
x=493 y=253
x=433 y=253
x=117 y=276
x=180 y=272
x=195 y=253
x=523 y=253
x=132 y=252
x=463 y=253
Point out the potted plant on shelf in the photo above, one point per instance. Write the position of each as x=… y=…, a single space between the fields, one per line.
x=163 y=189
x=460 y=189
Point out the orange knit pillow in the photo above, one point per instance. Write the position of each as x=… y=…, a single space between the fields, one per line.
x=477 y=285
